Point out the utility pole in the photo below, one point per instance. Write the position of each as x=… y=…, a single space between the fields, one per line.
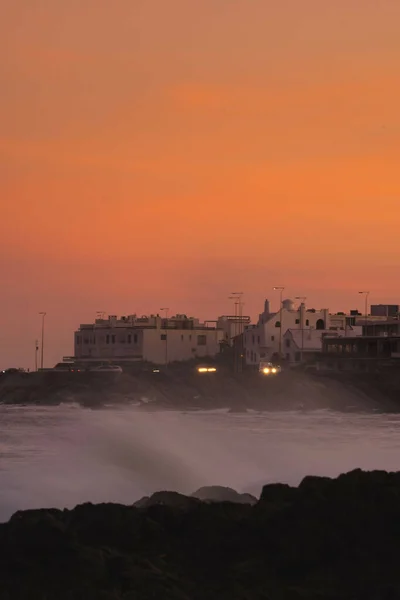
x=366 y=309
x=43 y=314
x=302 y=307
x=238 y=345
x=280 y=288
x=166 y=310
x=36 y=354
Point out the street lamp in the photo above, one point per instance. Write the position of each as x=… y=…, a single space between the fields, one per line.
x=166 y=310
x=366 y=308
x=36 y=354
x=42 y=314
x=303 y=299
x=280 y=288
x=237 y=297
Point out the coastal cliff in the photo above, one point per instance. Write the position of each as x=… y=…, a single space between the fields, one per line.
x=326 y=539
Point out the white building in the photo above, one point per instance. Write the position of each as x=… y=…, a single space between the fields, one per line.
x=148 y=338
x=305 y=345
x=232 y=326
x=263 y=340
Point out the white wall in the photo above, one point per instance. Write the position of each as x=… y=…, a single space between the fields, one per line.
x=262 y=341
x=181 y=344
x=146 y=344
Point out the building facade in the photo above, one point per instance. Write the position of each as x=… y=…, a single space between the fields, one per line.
x=147 y=338
x=306 y=345
x=232 y=326
x=385 y=310
x=263 y=340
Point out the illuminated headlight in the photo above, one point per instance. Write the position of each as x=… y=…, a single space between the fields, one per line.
x=266 y=371
x=274 y=370
x=202 y=369
x=211 y=370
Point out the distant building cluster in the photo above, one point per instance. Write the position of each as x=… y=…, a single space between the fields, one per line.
x=293 y=333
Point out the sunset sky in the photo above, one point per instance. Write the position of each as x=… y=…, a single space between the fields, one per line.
x=168 y=152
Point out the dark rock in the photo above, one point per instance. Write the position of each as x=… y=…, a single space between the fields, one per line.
x=217 y=493
x=327 y=539
x=172 y=499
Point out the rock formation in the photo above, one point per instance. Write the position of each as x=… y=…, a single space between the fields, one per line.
x=326 y=539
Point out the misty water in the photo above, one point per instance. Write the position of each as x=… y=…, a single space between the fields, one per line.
x=62 y=456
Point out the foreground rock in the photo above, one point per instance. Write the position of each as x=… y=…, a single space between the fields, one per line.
x=326 y=539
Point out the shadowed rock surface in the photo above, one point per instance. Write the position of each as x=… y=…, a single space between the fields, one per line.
x=218 y=493
x=327 y=539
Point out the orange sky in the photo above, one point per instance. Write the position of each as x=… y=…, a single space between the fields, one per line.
x=158 y=153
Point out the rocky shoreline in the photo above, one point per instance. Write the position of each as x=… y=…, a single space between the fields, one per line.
x=175 y=389
x=325 y=539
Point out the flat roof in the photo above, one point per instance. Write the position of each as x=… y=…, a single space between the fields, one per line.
x=360 y=338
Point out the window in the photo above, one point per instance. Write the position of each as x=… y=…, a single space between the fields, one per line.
x=287 y=342
x=297 y=356
x=202 y=340
x=253 y=339
x=107 y=339
x=182 y=337
x=190 y=337
x=297 y=321
x=272 y=338
x=85 y=340
x=164 y=337
x=307 y=322
x=78 y=339
x=113 y=339
x=129 y=339
x=258 y=339
x=135 y=338
x=278 y=324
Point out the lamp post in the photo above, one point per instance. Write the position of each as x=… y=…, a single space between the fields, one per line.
x=42 y=314
x=280 y=288
x=166 y=310
x=237 y=297
x=36 y=354
x=366 y=294
x=302 y=306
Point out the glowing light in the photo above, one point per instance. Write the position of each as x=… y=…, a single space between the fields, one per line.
x=202 y=369
x=212 y=370
x=274 y=370
x=266 y=371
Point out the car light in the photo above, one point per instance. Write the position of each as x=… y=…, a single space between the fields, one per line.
x=156 y=370
x=211 y=370
x=202 y=369
x=274 y=370
x=266 y=371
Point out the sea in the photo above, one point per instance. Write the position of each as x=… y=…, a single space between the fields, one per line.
x=61 y=456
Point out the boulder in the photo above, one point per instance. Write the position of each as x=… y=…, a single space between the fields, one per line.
x=218 y=493
x=171 y=499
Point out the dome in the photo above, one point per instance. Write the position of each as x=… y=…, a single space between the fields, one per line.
x=288 y=304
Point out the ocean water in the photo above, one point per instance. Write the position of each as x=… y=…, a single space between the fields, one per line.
x=65 y=455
